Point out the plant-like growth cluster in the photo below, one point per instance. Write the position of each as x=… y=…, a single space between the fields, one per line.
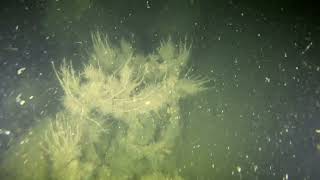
x=121 y=114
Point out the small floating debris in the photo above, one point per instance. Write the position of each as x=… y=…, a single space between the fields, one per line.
x=4 y=132
x=21 y=70
x=307 y=48
x=11 y=49
x=239 y=169
x=212 y=166
x=22 y=102
x=19 y=100
x=267 y=79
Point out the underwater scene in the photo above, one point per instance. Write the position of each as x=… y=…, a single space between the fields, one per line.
x=159 y=90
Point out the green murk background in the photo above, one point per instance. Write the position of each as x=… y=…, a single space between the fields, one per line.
x=259 y=119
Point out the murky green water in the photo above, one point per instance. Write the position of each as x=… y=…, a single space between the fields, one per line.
x=243 y=105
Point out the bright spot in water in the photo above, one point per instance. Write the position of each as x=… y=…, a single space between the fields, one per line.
x=267 y=79
x=307 y=48
x=20 y=71
x=148 y=5
x=4 y=132
x=239 y=169
x=147 y=102
x=19 y=100
x=22 y=102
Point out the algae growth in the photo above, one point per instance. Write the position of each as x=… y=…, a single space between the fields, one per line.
x=121 y=117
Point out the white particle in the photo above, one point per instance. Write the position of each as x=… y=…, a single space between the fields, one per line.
x=307 y=48
x=148 y=5
x=20 y=71
x=239 y=169
x=5 y=132
x=267 y=79
x=22 y=102
x=318 y=131
x=19 y=100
